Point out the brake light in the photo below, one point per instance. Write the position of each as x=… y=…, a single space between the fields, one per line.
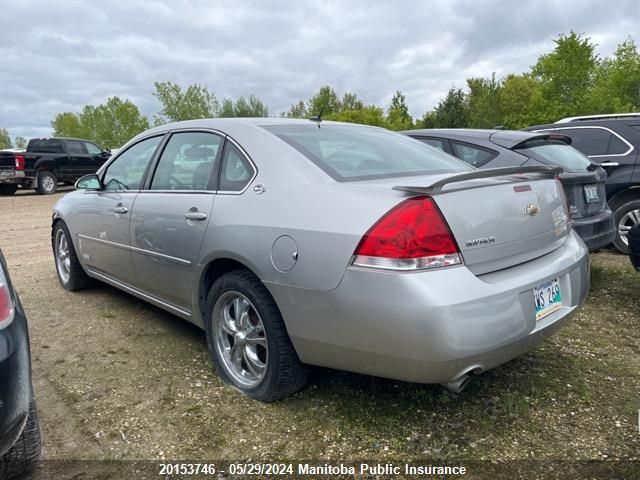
x=6 y=304
x=411 y=236
x=19 y=162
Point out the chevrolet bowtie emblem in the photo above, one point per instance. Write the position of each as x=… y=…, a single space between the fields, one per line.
x=532 y=209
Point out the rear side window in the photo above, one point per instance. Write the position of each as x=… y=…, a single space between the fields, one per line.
x=433 y=142
x=76 y=147
x=471 y=154
x=350 y=153
x=595 y=141
x=45 y=145
x=236 y=171
x=556 y=153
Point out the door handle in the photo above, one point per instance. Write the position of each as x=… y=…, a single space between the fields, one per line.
x=199 y=216
x=121 y=210
x=609 y=164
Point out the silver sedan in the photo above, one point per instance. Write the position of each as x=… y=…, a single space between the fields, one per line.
x=299 y=242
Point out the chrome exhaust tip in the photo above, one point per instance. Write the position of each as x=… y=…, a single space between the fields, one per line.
x=459 y=384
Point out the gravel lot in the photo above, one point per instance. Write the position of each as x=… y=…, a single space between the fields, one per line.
x=117 y=378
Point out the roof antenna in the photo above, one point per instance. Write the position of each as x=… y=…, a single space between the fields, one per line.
x=317 y=118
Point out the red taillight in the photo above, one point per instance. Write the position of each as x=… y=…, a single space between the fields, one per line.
x=411 y=236
x=19 y=162
x=6 y=304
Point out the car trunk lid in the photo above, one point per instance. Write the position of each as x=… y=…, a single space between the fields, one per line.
x=502 y=221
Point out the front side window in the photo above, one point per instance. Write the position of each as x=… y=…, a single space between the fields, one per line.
x=76 y=147
x=92 y=148
x=236 y=170
x=474 y=156
x=187 y=162
x=127 y=171
x=349 y=153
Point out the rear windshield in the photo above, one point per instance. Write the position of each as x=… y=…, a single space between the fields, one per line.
x=349 y=153
x=557 y=153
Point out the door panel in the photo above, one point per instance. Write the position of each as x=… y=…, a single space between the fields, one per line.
x=102 y=225
x=166 y=244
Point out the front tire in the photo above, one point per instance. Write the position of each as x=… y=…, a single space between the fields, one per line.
x=70 y=273
x=47 y=183
x=626 y=216
x=25 y=453
x=247 y=339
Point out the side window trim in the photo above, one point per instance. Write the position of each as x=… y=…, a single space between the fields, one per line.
x=153 y=165
x=490 y=151
x=624 y=140
x=151 y=162
x=249 y=161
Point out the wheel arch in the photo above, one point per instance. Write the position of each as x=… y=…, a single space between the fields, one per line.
x=624 y=196
x=214 y=268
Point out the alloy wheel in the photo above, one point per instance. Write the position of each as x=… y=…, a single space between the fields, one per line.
x=63 y=260
x=240 y=339
x=48 y=184
x=626 y=222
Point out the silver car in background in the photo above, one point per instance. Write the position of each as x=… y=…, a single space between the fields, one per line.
x=297 y=242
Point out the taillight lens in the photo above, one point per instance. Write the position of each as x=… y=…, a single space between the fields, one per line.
x=19 y=162
x=6 y=304
x=411 y=236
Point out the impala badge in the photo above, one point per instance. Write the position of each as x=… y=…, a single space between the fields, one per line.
x=532 y=209
x=480 y=241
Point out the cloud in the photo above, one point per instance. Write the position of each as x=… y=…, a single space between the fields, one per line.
x=60 y=56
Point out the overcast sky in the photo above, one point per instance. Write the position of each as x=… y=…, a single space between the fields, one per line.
x=61 y=55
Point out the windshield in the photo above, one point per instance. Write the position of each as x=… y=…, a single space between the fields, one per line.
x=560 y=154
x=349 y=153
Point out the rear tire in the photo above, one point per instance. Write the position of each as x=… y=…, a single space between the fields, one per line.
x=267 y=367
x=25 y=453
x=626 y=215
x=8 y=189
x=70 y=273
x=47 y=183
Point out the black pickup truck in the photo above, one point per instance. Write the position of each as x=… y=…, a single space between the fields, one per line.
x=48 y=162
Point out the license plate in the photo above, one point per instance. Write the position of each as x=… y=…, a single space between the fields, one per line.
x=6 y=173
x=548 y=298
x=591 y=193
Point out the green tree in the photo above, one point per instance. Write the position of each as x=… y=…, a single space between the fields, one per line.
x=110 y=124
x=20 y=142
x=5 y=139
x=617 y=82
x=369 y=115
x=483 y=101
x=350 y=101
x=566 y=76
x=451 y=112
x=298 y=110
x=398 y=117
x=196 y=101
x=325 y=101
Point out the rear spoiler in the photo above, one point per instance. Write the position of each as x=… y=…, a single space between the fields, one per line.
x=436 y=187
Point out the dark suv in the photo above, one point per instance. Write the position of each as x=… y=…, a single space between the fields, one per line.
x=613 y=141
x=582 y=180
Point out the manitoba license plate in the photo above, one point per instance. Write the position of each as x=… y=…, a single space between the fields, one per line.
x=548 y=298
x=591 y=193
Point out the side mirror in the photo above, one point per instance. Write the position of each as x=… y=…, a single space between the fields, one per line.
x=105 y=153
x=88 y=182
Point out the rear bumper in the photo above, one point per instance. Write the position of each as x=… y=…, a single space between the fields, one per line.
x=16 y=178
x=596 y=231
x=434 y=326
